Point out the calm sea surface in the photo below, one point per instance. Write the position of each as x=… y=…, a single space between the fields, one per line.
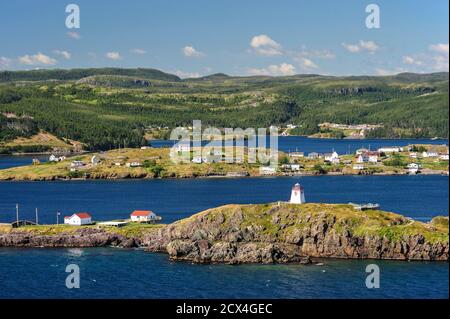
x=123 y=273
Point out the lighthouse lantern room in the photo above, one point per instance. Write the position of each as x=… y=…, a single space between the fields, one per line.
x=297 y=194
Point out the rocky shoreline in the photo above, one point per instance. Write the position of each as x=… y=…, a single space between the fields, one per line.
x=271 y=233
x=149 y=176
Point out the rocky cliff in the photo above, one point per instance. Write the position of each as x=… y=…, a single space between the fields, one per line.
x=280 y=233
x=79 y=237
x=269 y=233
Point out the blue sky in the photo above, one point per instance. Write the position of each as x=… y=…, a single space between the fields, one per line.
x=199 y=37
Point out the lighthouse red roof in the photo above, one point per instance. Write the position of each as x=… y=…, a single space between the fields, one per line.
x=141 y=213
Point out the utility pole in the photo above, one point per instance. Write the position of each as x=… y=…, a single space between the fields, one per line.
x=17 y=214
x=57 y=217
x=37 y=217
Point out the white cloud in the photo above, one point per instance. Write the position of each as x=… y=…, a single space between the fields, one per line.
x=190 y=52
x=407 y=59
x=65 y=54
x=439 y=48
x=138 y=51
x=440 y=63
x=282 y=69
x=367 y=46
x=264 y=45
x=306 y=63
x=4 y=62
x=385 y=72
x=185 y=75
x=352 y=48
x=113 y=55
x=37 y=59
x=74 y=35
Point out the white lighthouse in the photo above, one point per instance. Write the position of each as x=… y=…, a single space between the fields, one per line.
x=297 y=194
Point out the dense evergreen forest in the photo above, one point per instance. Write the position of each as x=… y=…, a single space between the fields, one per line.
x=105 y=108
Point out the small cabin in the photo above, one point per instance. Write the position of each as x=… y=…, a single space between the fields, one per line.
x=78 y=219
x=143 y=216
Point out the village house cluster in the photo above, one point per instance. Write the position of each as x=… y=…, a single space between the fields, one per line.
x=364 y=158
x=139 y=216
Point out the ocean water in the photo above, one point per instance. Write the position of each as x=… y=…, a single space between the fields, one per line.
x=321 y=145
x=124 y=273
x=7 y=161
x=127 y=273
x=420 y=197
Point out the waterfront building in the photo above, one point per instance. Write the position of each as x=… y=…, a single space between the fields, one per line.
x=133 y=164
x=297 y=194
x=267 y=170
x=331 y=158
x=313 y=155
x=393 y=149
x=430 y=154
x=142 y=216
x=297 y=154
x=78 y=219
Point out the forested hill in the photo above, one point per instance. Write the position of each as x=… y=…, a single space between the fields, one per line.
x=106 y=107
x=76 y=74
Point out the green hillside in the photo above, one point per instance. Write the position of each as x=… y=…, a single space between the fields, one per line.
x=107 y=107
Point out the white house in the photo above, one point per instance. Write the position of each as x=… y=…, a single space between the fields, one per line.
x=142 y=216
x=413 y=166
x=95 y=160
x=443 y=157
x=297 y=194
x=297 y=154
x=362 y=158
x=197 y=160
x=373 y=157
x=267 y=170
x=78 y=219
x=331 y=158
x=291 y=167
x=76 y=164
x=393 y=149
x=133 y=164
x=367 y=157
x=183 y=147
x=413 y=155
x=430 y=154
x=361 y=151
x=54 y=158
x=313 y=155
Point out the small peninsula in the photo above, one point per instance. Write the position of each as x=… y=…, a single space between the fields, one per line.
x=149 y=163
x=259 y=233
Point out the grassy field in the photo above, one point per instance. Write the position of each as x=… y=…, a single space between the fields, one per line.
x=131 y=230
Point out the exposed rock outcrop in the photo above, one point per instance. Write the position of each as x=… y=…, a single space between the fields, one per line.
x=81 y=237
x=270 y=233
x=294 y=233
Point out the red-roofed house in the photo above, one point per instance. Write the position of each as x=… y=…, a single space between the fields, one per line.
x=142 y=216
x=78 y=219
